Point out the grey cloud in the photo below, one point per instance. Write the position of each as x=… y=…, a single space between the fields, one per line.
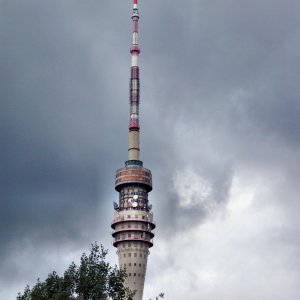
x=219 y=94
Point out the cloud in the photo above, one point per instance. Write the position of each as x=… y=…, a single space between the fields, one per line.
x=238 y=251
x=220 y=132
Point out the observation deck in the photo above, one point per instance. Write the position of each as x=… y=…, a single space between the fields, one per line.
x=134 y=230
x=133 y=174
x=125 y=219
x=146 y=240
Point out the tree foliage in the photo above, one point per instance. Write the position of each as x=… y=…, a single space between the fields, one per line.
x=161 y=295
x=93 y=279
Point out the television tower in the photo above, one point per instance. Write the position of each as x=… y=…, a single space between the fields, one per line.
x=133 y=219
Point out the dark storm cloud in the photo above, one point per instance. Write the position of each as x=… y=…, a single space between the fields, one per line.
x=54 y=117
x=220 y=93
x=233 y=78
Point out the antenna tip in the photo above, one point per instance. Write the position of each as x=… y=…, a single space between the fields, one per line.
x=135 y=1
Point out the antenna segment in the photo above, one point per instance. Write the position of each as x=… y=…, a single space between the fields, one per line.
x=134 y=92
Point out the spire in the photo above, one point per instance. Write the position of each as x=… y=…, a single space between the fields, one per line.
x=134 y=92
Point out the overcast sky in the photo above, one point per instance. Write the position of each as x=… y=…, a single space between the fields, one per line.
x=220 y=130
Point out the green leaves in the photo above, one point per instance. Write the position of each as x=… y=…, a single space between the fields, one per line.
x=93 y=279
x=161 y=295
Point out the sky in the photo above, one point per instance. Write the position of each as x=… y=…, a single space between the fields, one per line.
x=220 y=131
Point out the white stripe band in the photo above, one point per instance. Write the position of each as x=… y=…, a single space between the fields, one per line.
x=134 y=60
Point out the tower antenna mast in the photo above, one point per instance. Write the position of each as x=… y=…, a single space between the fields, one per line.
x=134 y=93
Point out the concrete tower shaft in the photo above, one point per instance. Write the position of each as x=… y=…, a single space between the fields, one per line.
x=133 y=223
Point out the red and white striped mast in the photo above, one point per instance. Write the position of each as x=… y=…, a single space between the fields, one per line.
x=134 y=126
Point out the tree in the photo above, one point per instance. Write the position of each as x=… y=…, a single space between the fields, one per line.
x=93 y=279
x=161 y=295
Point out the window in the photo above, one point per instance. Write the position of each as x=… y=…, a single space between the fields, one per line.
x=124 y=255
x=129 y=235
x=134 y=274
x=129 y=225
x=135 y=244
x=129 y=244
x=123 y=245
x=130 y=216
x=129 y=264
x=140 y=254
x=129 y=254
x=135 y=264
x=143 y=217
x=129 y=274
x=135 y=254
x=140 y=265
